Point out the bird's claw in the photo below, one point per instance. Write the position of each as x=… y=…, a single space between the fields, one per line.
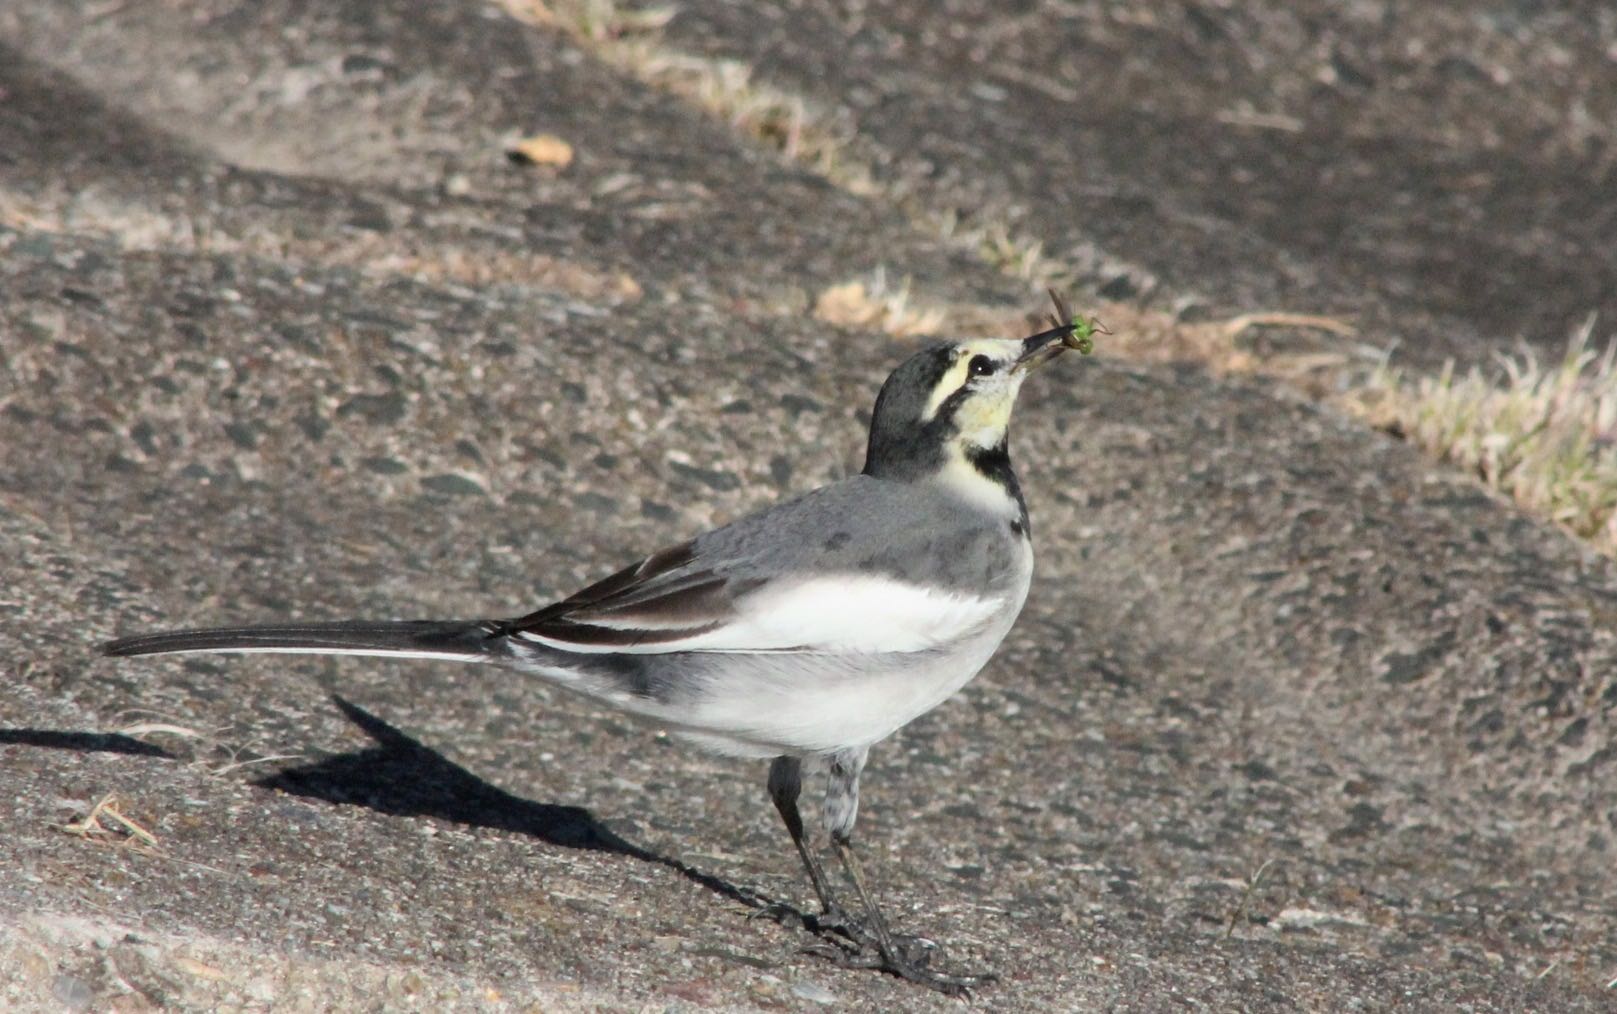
x=849 y=943
x=909 y=964
x=835 y=922
x=782 y=914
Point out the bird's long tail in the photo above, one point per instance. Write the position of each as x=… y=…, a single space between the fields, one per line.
x=463 y=640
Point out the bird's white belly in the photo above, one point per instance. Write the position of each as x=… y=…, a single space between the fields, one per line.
x=814 y=704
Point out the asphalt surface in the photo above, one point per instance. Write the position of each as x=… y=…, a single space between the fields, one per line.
x=1293 y=719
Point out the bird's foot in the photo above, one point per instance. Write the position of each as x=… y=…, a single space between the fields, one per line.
x=851 y=944
x=784 y=915
x=837 y=927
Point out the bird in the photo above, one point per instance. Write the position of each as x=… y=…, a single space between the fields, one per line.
x=804 y=633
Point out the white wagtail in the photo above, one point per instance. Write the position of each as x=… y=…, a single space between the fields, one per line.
x=805 y=632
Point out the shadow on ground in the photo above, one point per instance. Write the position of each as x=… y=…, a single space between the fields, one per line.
x=402 y=777
x=82 y=742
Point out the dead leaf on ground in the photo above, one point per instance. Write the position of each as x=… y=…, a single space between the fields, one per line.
x=541 y=149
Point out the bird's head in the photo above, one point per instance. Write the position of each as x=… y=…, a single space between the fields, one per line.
x=946 y=411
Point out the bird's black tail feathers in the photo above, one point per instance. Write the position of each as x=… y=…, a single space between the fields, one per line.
x=464 y=640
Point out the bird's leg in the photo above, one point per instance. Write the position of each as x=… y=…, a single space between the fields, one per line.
x=785 y=785
x=841 y=813
x=906 y=957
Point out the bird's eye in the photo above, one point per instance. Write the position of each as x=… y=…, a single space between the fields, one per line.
x=982 y=366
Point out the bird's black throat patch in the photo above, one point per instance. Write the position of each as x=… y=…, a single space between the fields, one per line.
x=994 y=464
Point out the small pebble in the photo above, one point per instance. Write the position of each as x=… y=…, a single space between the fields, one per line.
x=813 y=993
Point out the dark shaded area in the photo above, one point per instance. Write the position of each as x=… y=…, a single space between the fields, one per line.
x=48 y=115
x=84 y=742
x=403 y=778
x=1430 y=172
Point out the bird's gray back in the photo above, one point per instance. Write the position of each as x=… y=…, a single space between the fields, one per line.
x=909 y=531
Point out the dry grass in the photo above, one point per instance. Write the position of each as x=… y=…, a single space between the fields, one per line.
x=1133 y=332
x=1543 y=433
x=993 y=241
x=879 y=305
x=1153 y=336
x=223 y=758
x=827 y=144
x=1248 y=890
x=125 y=831
x=820 y=140
x=628 y=39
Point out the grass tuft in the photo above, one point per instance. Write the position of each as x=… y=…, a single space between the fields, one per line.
x=1543 y=433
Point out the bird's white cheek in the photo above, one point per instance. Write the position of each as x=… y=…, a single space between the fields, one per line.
x=984 y=419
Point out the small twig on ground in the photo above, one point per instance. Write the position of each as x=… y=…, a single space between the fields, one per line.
x=271 y=758
x=129 y=834
x=91 y=829
x=140 y=729
x=1246 y=897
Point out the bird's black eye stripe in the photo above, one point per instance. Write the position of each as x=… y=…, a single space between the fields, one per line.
x=982 y=366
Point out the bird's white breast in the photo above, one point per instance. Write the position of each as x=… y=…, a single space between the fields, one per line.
x=818 y=702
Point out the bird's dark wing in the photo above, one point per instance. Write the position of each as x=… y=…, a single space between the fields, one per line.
x=656 y=604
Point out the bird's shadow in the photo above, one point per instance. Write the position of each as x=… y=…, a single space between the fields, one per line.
x=401 y=776
x=82 y=742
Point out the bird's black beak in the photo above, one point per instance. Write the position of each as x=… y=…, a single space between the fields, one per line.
x=1042 y=347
